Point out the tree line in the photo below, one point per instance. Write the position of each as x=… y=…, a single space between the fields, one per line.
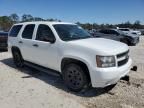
x=136 y=25
x=7 y=21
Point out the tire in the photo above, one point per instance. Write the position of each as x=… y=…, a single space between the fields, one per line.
x=17 y=58
x=75 y=78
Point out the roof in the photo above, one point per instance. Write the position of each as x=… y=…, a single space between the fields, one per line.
x=44 y=22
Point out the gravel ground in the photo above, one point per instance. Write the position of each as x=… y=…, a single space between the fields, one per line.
x=28 y=88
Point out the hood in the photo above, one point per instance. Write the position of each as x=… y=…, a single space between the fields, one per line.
x=130 y=34
x=101 y=45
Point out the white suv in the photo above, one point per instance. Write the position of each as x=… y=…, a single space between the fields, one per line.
x=70 y=50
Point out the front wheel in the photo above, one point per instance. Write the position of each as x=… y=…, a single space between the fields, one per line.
x=18 y=60
x=75 y=78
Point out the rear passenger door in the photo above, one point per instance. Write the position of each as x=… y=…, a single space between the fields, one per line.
x=25 y=42
x=44 y=52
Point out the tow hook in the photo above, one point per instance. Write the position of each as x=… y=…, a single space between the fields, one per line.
x=125 y=78
x=134 y=68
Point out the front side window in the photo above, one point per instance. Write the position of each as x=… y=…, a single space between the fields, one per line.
x=28 y=31
x=69 y=32
x=44 y=33
x=15 y=30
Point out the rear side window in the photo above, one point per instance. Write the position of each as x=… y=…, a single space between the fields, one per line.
x=15 y=30
x=28 y=31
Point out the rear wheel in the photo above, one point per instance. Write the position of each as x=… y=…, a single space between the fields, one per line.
x=75 y=78
x=18 y=60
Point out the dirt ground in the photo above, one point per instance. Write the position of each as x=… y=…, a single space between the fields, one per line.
x=28 y=88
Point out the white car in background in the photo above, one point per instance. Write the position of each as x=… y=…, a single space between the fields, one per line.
x=130 y=31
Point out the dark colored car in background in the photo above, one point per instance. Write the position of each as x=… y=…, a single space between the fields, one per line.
x=3 y=40
x=114 y=34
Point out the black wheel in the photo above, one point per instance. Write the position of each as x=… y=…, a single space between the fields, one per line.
x=18 y=60
x=75 y=77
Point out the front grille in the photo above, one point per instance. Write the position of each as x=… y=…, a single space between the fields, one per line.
x=121 y=63
x=122 y=54
x=122 y=58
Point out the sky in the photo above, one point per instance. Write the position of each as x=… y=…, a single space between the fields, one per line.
x=84 y=11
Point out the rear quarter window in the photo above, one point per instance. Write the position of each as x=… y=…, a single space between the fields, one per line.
x=15 y=30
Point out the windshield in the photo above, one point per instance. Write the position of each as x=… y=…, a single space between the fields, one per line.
x=69 y=32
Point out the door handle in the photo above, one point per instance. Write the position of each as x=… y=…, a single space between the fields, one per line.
x=35 y=45
x=20 y=42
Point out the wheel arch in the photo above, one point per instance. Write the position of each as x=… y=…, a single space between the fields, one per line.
x=15 y=48
x=65 y=61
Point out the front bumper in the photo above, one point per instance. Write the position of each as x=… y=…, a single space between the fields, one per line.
x=102 y=77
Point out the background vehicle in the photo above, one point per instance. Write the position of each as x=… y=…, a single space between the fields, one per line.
x=142 y=31
x=67 y=48
x=128 y=31
x=92 y=32
x=109 y=34
x=3 y=40
x=117 y=35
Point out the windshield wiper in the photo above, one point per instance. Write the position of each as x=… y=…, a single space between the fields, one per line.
x=82 y=37
x=77 y=38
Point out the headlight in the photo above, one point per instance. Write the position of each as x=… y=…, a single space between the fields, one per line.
x=105 y=61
